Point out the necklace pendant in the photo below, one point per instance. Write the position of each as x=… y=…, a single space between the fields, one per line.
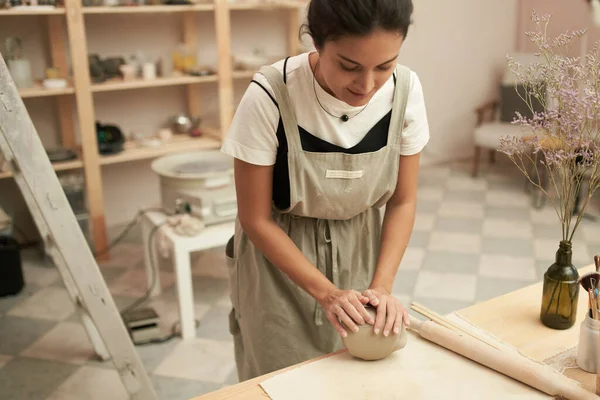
x=344 y=118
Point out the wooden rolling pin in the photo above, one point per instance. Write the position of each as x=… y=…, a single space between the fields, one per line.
x=510 y=364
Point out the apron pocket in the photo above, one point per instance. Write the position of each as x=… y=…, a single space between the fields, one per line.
x=231 y=261
x=234 y=325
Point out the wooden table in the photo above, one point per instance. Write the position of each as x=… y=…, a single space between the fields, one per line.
x=513 y=318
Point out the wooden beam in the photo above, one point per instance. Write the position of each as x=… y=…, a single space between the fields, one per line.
x=87 y=118
x=59 y=58
x=59 y=54
x=223 y=34
x=190 y=39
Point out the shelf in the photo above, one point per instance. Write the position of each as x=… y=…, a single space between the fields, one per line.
x=33 y=11
x=147 y=9
x=243 y=74
x=179 y=143
x=40 y=91
x=120 y=84
x=267 y=5
x=57 y=166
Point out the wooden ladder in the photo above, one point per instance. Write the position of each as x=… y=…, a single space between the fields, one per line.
x=65 y=242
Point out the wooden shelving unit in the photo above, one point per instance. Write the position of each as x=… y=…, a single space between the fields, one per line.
x=243 y=74
x=58 y=166
x=40 y=91
x=249 y=5
x=81 y=90
x=119 y=84
x=176 y=145
x=148 y=9
x=33 y=11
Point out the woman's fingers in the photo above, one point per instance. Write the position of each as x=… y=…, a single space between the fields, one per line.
x=372 y=298
x=360 y=307
x=333 y=318
x=390 y=318
x=406 y=318
x=380 y=318
x=399 y=319
x=346 y=319
x=352 y=306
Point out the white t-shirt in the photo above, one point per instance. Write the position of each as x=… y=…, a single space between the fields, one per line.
x=252 y=134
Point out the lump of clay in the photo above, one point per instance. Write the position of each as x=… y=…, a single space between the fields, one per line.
x=365 y=344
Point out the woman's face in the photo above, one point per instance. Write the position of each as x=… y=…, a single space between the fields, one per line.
x=353 y=68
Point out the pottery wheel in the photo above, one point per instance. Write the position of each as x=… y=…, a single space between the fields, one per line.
x=199 y=167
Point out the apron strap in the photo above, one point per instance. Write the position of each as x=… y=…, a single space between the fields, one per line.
x=325 y=246
x=399 y=106
x=282 y=97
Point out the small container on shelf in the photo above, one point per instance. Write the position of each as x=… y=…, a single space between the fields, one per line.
x=18 y=66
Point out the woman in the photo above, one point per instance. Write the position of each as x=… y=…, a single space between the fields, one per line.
x=322 y=141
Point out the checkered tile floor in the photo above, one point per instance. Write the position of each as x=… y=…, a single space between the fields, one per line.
x=474 y=239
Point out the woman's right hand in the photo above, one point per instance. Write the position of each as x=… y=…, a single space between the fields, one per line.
x=347 y=306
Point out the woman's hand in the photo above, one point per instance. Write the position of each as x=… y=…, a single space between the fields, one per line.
x=348 y=307
x=390 y=312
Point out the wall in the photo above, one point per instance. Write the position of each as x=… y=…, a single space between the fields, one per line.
x=574 y=17
x=458 y=60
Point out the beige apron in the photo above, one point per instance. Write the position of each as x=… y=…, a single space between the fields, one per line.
x=335 y=219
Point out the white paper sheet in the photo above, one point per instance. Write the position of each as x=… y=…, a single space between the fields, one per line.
x=422 y=370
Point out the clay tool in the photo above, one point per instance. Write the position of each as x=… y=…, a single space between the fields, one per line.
x=597 y=262
x=511 y=364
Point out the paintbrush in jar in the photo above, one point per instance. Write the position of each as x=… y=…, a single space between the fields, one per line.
x=590 y=280
x=593 y=305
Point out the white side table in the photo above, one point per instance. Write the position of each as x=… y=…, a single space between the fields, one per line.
x=183 y=246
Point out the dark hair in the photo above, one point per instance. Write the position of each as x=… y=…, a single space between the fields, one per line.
x=332 y=19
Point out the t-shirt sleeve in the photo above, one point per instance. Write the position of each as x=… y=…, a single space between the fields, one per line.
x=415 y=134
x=252 y=135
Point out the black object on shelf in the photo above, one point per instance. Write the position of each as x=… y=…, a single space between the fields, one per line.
x=110 y=138
x=11 y=271
x=60 y=154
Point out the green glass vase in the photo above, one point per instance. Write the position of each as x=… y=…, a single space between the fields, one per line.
x=560 y=291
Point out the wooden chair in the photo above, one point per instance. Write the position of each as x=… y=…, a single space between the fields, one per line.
x=489 y=130
x=494 y=117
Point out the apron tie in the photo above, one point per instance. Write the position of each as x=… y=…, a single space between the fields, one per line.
x=324 y=240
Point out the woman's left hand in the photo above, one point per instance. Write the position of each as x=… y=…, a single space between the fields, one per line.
x=390 y=312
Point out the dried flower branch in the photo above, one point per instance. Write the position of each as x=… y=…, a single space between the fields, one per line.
x=563 y=144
